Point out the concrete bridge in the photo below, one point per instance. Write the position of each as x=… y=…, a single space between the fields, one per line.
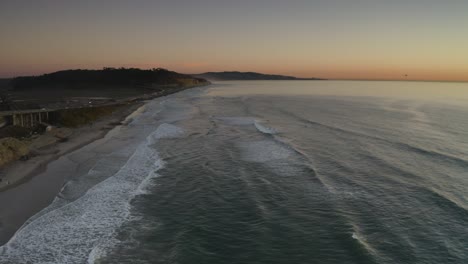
x=34 y=117
x=27 y=118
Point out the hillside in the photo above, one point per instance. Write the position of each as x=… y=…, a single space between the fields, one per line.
x=4 y=84
x=77 y=88
x=234 y=75
x=76 y=79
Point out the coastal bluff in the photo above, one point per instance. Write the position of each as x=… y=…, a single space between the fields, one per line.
x=34 y=109
x=247 y=76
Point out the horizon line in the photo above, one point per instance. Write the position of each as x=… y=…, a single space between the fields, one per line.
x=246 y=71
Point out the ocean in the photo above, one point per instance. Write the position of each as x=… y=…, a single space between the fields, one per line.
x=268 y=172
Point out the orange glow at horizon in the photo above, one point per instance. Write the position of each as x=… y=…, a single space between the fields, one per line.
x=337 y=73
x=355 y=39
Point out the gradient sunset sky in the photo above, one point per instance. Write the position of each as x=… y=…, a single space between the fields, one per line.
x=343 y=39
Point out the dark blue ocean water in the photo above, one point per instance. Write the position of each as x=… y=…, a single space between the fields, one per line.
x=274 y=172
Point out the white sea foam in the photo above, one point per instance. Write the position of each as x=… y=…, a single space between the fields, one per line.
x=82 y=229
x=135 y=114
x=166 y=131
x=96 y=254
x=146 y=184
x=177 y=110
x=147 y=114
x=264 y=128
x=363 y=241
x=247 y=121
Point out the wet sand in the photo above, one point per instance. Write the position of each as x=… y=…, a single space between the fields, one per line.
x=33 y=184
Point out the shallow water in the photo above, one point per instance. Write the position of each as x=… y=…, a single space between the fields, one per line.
x=270 y=172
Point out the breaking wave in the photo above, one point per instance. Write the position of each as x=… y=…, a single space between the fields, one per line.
x=84 y=228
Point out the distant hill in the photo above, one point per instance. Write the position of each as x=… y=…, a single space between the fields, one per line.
x=108 y=77
x=234 y=75
x=4 y=84
x=72 y=88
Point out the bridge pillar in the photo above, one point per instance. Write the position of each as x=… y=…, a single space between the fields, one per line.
x=30 y=119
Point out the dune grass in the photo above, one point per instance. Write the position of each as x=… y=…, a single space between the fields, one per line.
x=84 y=116
x=12 y=149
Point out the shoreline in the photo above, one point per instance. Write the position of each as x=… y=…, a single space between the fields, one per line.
x=22 y=199
x=36 y=187
x=19 y=172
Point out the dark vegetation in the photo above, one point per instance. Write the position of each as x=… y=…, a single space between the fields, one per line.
x=76 y=88
x=107 y=77
x=72 y=118
x=4 y=84
x=78 y=98
x=12 y=149
x=83 y=116
x=4 y=87
x=15 y=132
x=234 y=75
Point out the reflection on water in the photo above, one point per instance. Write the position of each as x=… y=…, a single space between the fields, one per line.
x=441 y=91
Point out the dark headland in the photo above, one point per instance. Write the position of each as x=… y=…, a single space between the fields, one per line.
x=86 y=88
x=247 y=76
x=43 y=117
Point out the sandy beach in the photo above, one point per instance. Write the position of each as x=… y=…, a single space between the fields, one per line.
x=26 y=188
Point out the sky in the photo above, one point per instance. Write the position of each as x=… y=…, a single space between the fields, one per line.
x=334 y=39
